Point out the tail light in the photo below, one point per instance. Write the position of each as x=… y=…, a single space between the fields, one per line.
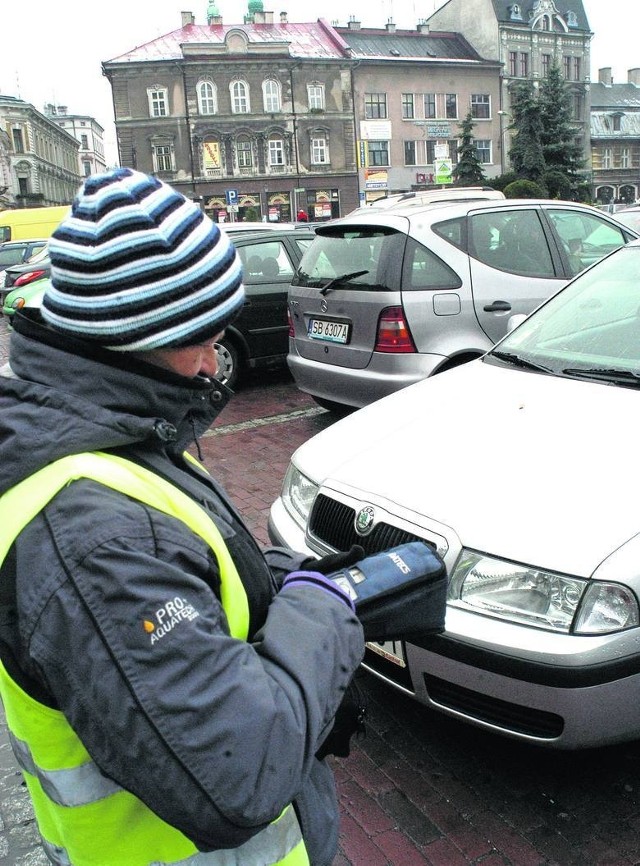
x=292 y=332
x=394 y=335
x=29 y=277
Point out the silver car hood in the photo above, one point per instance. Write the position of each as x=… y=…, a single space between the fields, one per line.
x=521 y=465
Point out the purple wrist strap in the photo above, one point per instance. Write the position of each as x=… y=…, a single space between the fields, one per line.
x=314 y=578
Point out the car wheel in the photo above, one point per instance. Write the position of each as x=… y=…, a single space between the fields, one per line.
x=336 y=408
x=228 y=363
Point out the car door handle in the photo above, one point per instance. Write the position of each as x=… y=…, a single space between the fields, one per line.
x=498 y=307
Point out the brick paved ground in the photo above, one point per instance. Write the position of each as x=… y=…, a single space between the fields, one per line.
x=419 y=788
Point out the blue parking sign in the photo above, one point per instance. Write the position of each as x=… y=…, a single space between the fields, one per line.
x=231 y=196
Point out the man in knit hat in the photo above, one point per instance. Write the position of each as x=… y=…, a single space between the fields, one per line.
x=167 y=685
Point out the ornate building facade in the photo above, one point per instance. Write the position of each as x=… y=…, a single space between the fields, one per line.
x=527 y=38
x=254 y=120
x=42 y=158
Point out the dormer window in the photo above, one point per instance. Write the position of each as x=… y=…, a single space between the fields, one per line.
x=572 y=19
x=515 y=12
x=617 y=122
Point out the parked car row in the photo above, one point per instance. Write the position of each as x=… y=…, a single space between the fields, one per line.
x=384 y=298
x=519 y=468
x=259 y=337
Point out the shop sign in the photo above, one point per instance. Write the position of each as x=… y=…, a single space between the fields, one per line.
x=443 y=169
x=439 y=130
x=211 y=154
x=376 y=178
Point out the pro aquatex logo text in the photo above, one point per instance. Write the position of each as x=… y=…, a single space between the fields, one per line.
x=168 y=617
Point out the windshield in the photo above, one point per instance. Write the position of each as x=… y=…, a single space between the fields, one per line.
x=353 y=258
x=591 y=328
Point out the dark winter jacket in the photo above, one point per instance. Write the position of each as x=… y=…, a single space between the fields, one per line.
x=215 y=735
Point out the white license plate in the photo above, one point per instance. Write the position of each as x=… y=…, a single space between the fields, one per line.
x=391 y=650
x=323 y=329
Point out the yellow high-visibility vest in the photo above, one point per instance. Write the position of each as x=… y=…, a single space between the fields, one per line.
x=85 y=818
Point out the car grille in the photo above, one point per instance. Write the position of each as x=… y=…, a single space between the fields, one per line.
x=332 y=523
x=503 y=714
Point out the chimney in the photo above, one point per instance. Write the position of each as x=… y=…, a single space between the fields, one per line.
x=283 y=18
x=390 y=26
x=604 y=76
x=422 y=27
x=187 y=18
x=352 y=24
x=633 y=76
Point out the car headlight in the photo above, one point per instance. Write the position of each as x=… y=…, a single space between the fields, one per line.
x=298 y=495
x=540 y=598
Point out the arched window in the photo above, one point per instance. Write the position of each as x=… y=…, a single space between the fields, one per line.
x=271 y=96
x=239 y=97
x=207 y=98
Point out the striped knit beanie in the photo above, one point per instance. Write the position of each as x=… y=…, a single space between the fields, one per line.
x=136 y=266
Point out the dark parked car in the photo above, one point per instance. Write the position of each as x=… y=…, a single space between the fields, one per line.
x=16 y=252
x=259 y=336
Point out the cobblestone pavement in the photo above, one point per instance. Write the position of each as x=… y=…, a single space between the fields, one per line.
x=419 y=788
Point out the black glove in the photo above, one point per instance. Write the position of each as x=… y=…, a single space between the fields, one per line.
x=334 y=561
x=349 y=720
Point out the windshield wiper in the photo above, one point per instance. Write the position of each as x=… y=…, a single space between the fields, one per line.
x=344 y=278
x=615 y=377
x=517 y=361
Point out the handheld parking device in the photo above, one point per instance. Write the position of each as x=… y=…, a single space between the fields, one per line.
x=400 y=593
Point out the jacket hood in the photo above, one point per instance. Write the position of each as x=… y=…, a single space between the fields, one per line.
x=61 y=397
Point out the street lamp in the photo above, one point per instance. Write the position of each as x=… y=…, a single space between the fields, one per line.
x=503 y=131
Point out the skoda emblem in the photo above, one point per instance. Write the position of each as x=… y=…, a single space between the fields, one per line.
x=365 y=518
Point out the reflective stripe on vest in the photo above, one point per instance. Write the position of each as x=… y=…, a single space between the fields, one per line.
x=85 y=818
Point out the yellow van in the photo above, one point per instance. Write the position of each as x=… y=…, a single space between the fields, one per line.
x=30 y=222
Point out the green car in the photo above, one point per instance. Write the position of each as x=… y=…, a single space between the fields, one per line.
x=24 y=296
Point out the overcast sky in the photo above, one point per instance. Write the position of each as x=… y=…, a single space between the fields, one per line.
x=51 y=50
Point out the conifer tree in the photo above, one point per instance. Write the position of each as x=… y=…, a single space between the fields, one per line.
x=468 y=171
x=526 y=154
x=562 y=153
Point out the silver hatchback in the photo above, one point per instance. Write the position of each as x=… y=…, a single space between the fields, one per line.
x=384 y=299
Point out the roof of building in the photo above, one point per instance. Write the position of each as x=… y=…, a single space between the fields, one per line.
x=503 y=10
x=376 y=44
x=314 y=40
x=601 y=126
x=612 y=96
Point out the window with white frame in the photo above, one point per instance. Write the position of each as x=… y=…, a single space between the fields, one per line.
x=625 y=159
x=606 y=157
x=451 y=106
x=378 y=153
x=163 y=157
x=480 y=105
x=315 y=95
x=429 y=105
x=408 y=109
x=375 y=106
x=239 y=97
x=419 y=152
x=158 y=101
x=244 y=153
x=207 y=98
x=483 y=149
x=276 y=151
x=319 y=150
x=271 y=96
